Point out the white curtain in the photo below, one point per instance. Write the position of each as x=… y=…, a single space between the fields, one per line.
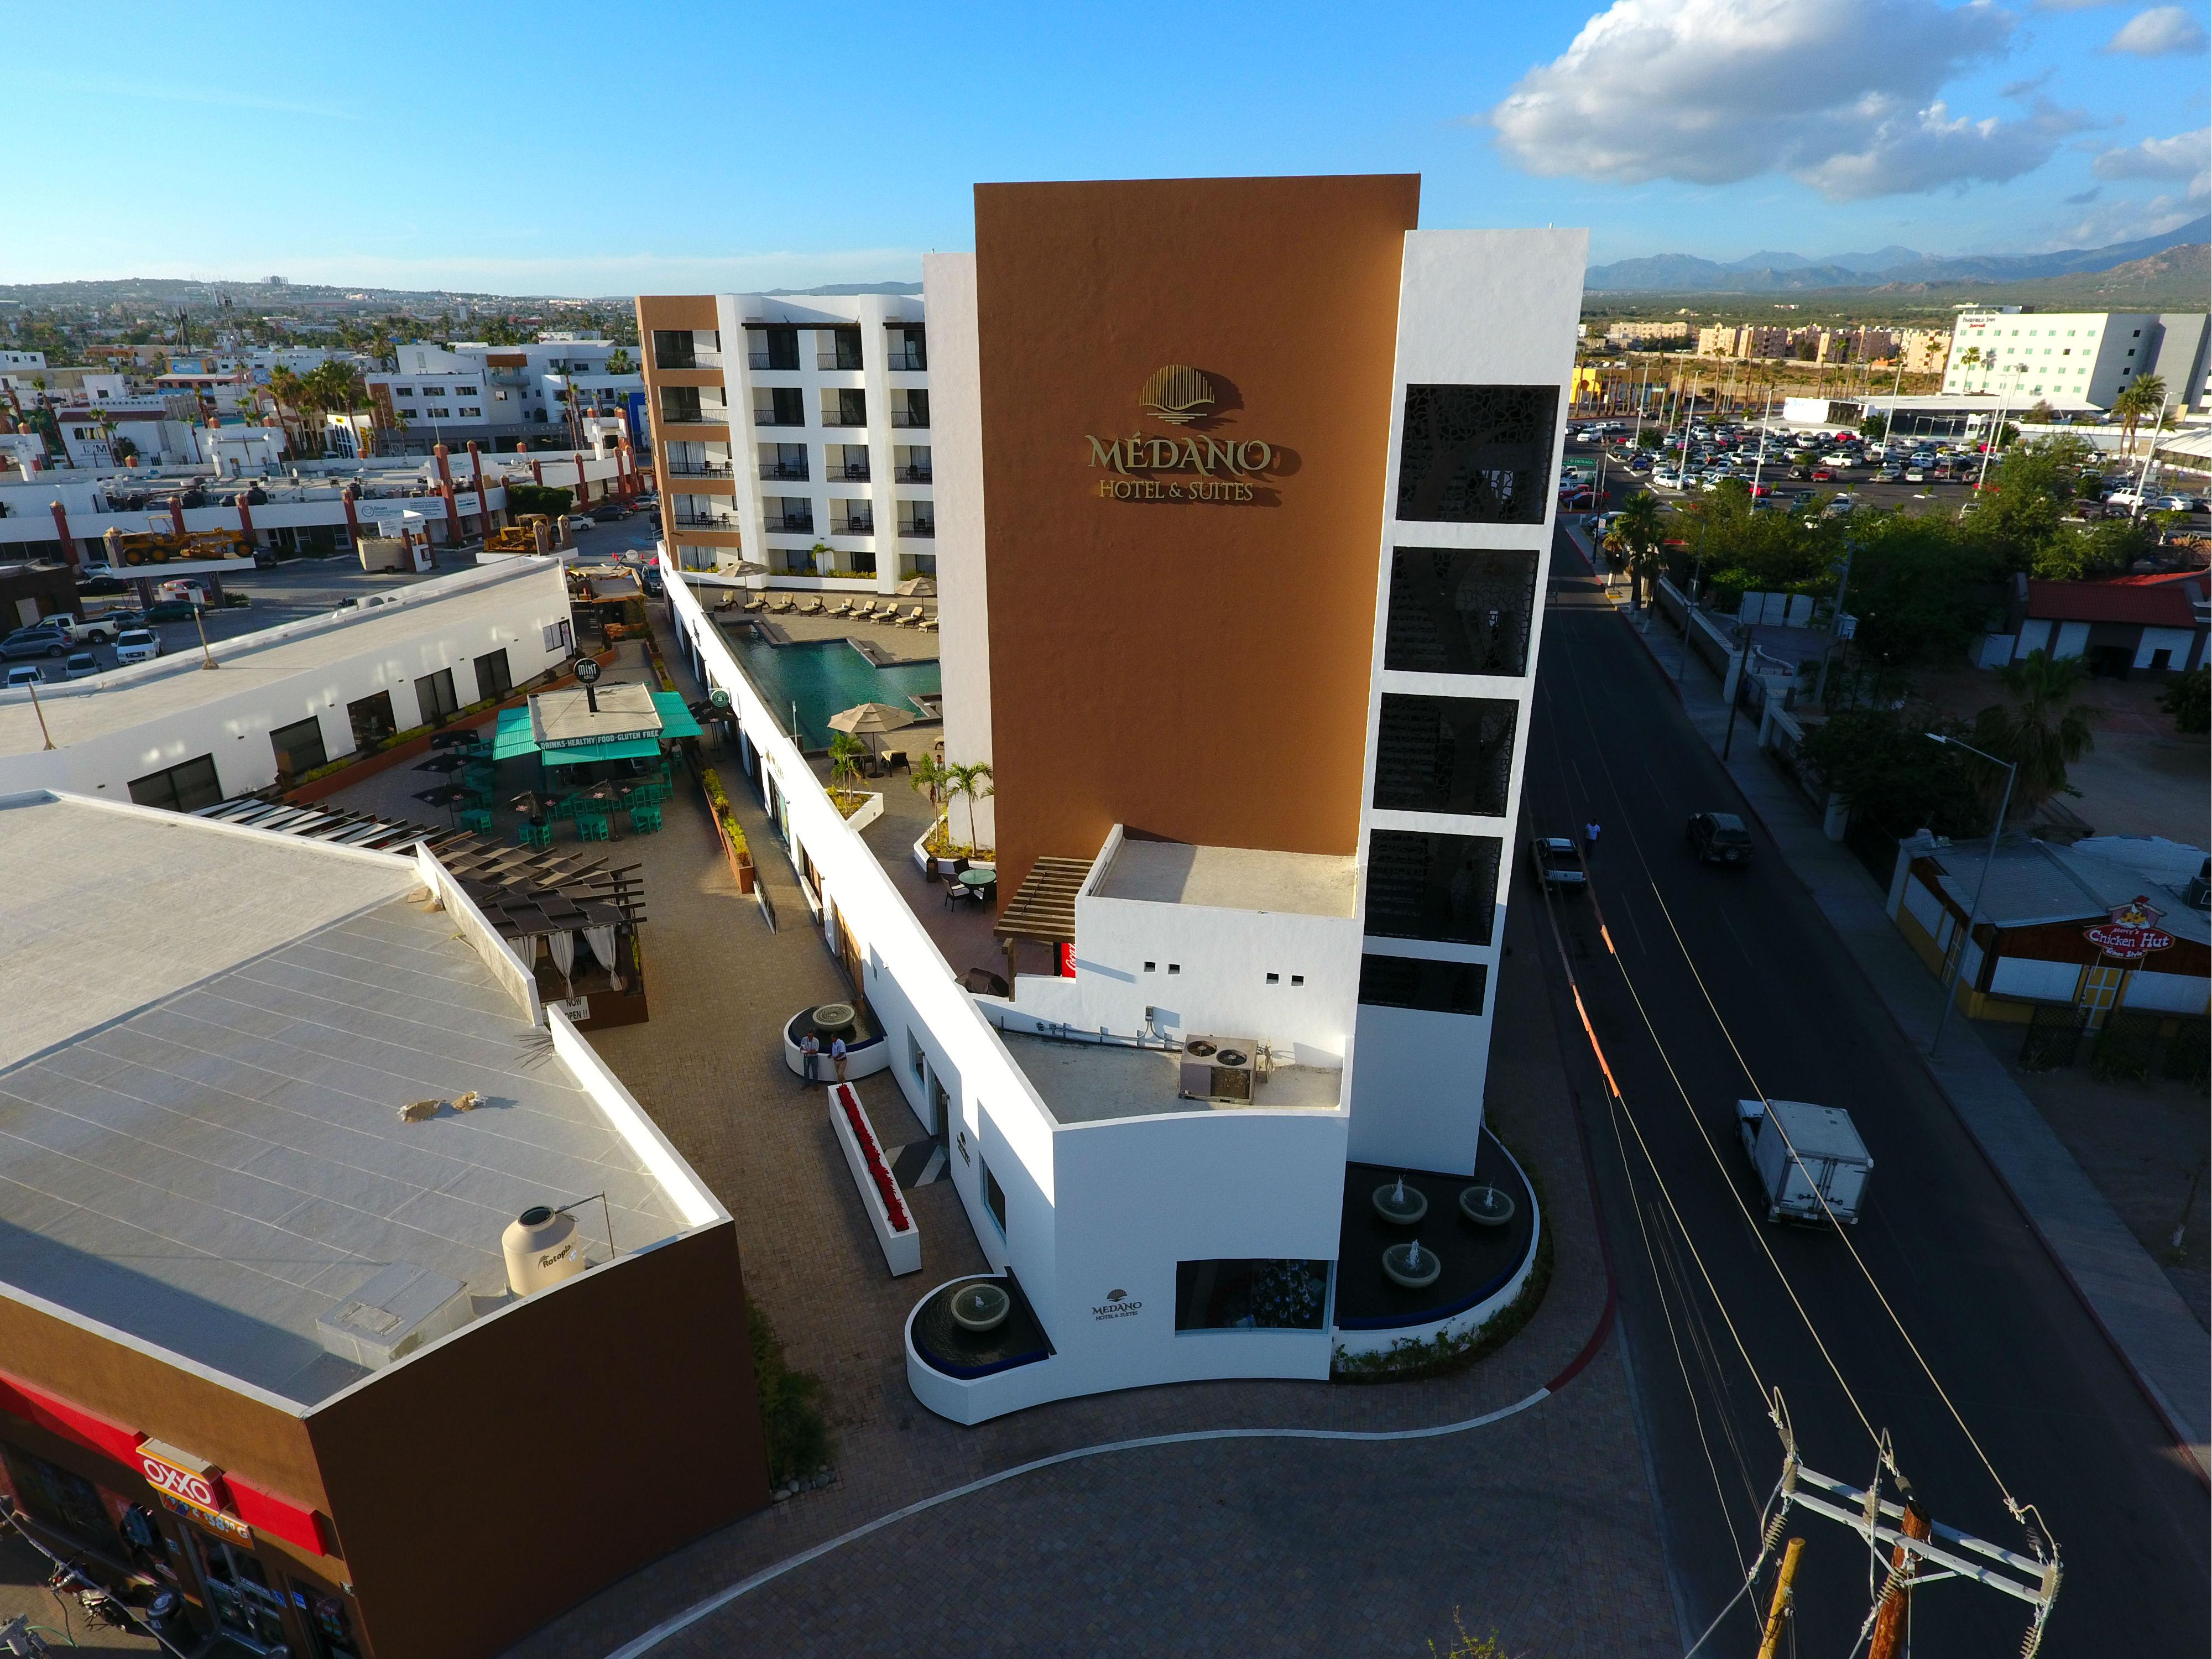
x=602 y=941
x=563 y=946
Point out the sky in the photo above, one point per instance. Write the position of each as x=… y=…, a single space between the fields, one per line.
x=615 y=150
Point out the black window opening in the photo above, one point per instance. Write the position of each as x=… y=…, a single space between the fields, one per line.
x=783 y=348
x=1444 y=754
x=1460 y=611
x=1477 y=454
x=371 y=720
x=786 y=406
x=916 y=412
x=299 y=748
x=183 y=788
x=994 y=1198
x=494 y=677
x=1266 y=1294
x=434 y=699
x=674 y=348
x=843 y=349
x=851 y=406
x=679 y=404
x=1438 y=987
x=1431 y=886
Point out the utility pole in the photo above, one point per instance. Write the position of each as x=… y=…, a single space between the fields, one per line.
x=1889 y=1620
x=1835 y=622
x=1743 y=642
x=1997 y=831
x=1778 y=1614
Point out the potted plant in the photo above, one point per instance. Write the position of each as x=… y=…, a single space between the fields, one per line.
x=727 y=828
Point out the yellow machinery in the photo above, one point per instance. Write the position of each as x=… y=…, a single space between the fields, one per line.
x=531 y=533
x=145 y=548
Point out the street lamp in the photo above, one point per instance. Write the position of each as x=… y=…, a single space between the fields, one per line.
x=2004 y=804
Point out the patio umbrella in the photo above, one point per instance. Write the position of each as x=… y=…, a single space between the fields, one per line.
x=917 y=587
x=446 y=764
x=869 y=720
x=449 y=796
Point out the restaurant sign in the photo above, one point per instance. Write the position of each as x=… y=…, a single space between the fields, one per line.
x=2131 y=931
x=191 y=1486
x=1185 y=466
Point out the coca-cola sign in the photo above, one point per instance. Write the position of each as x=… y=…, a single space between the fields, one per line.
x=2130 y=932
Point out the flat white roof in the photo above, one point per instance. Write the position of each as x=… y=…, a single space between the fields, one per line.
x=1230 y=877
x=122 y=698
x=1097 y=1083
x=200 y=1139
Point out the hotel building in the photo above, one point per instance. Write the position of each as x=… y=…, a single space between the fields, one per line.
x=793 y=435
x=2076 y=360
x=1248 y=489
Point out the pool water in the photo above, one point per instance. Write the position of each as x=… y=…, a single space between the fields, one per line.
x=824 y=678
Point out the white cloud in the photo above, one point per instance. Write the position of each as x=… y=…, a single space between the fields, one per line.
x=2155 y=33
x=1840 y=94
x=2186 y=155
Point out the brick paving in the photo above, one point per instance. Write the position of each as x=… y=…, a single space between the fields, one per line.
x=1540 y=1526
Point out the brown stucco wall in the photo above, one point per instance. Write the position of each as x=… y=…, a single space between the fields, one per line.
x=483 y=1487
x=1197 y=670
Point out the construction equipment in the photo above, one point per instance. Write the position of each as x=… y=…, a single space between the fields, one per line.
x=146 y=547
x=531 y=533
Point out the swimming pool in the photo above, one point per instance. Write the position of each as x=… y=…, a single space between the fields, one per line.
x=824 y=676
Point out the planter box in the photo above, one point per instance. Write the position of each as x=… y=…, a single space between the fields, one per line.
x=740 y=858
x=870 y=809
x=902 y=1250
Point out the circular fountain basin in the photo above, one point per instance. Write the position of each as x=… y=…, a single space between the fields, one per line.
x=1398 y=1263
x=1400 y=1211
x=1488 y=1206
x=981 y=1307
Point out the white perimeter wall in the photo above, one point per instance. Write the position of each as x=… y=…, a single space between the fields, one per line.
x=235 y=728
x=1476 y=308
x=948 y=281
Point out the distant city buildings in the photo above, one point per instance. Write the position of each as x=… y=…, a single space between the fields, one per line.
x=2078 y=359
x=474 y=389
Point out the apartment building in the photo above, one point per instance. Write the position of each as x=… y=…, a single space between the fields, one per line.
x=794 y=435
x=1638 y=334
x=1756 y=340
x=497 y=393
x=2077 y=360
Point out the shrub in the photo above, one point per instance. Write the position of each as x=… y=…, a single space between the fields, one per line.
x=718 y=803
x=2188 y=698
x=797 y=1433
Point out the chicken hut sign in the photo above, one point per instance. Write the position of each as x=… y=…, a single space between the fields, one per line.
x=2130 y=932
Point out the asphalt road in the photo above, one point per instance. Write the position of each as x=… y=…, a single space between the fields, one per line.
x=2059 y=1417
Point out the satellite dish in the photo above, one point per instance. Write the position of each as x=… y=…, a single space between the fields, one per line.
x=587 y=670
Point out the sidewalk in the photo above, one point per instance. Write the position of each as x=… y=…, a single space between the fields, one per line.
x=2126 y=1292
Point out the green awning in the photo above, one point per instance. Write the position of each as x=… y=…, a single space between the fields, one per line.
x=621 y=748
x=513 y=737
x=676 y=720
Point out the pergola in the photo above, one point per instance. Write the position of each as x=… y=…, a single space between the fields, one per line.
x=1044 y=907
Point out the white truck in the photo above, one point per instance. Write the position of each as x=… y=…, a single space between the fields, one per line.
x=93 y=630
x=1830 y=1161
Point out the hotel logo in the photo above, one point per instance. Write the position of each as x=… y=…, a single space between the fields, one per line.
x=1178 y=394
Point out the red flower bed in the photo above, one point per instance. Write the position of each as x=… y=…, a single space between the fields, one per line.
x=894 y=1206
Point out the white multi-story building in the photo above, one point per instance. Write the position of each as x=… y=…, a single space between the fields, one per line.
x=473 y=390
x=794 y=434
x=1249 y=500
x=2078 y=359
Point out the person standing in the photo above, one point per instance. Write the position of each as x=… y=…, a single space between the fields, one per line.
x=1590 y=838
x=837 y=1055
x=809 y=1051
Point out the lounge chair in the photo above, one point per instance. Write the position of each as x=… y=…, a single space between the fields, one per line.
x=842 y=608
x=759 y=602
x=810 y=607
x=912 y=618
x=868 y=612
x=781 y=607
x=927 y=624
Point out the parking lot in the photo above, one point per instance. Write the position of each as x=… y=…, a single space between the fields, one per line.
x=313 y=587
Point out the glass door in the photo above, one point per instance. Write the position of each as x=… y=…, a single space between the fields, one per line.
x=246 y=1608
x=2100 y=986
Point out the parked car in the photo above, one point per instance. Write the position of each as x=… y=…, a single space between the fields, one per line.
x=1577 y=500
x=137 y=645
x=36 y=642
x=24 y=673
x=1552 y=861
x=1822 y=475
x=167 y=611
x=1893 y=474
x=79 y=665
x=94 y=630
x=2174 y=504
x=1916 y=475
x=1719 y=838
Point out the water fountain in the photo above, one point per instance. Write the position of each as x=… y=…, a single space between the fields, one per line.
x=981 y=1307
x=1399 y=1205
x=1486 y=1206
x=1410 y=1266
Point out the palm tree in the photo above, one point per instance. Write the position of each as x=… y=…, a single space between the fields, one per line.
x=845 y=753
x=284 y=387
x=927 y=776
x=973 y=782
x=2145 y=397
x=2043 y=731
x=1635 y=538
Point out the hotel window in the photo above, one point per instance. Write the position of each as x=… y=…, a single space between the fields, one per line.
x=403 y=391
x=1444 y=754
x=435 y=698
x=299 y=747
x=1428 y=886
x=1439 y=988
x=185 y=788
x=994 y=1196
x=1477 y=454
x=464 y=392
x=557 y=636
x=1263 y=1295
x=1459 y=610
x=493 y=678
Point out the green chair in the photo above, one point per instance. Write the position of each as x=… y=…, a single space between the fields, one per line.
x=645 y=820
x=592 y=826
x=533 y=835
x=478 y=818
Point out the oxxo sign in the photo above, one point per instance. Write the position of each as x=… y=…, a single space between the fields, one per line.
x=1196 y=468
x=192 y=1486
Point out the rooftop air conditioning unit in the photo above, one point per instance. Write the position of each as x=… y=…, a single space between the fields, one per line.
x=1218 y=1068
x=395 y=1313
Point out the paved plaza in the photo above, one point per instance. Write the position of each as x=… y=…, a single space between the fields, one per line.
x=1278 y=1547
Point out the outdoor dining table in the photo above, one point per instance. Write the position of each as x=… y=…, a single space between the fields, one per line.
x=980 y=882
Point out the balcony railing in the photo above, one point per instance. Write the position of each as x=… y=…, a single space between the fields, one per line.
x=842 y=418
x=707 y=520
x=913 y=362
x=915 y=475
x=917 y=526
x=839 y=359
x=852 y=526
x=697 y=469
x=687 y=360
x=783 y=472
x=797 y=524
x=849 y=472
x=699 y=416
x=767 y=360
x=771 y=418
x=911 y=418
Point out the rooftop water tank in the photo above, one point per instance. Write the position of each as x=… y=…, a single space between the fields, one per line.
x=542 y=1249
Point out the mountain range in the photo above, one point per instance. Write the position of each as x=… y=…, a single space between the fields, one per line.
x=1768 y=272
